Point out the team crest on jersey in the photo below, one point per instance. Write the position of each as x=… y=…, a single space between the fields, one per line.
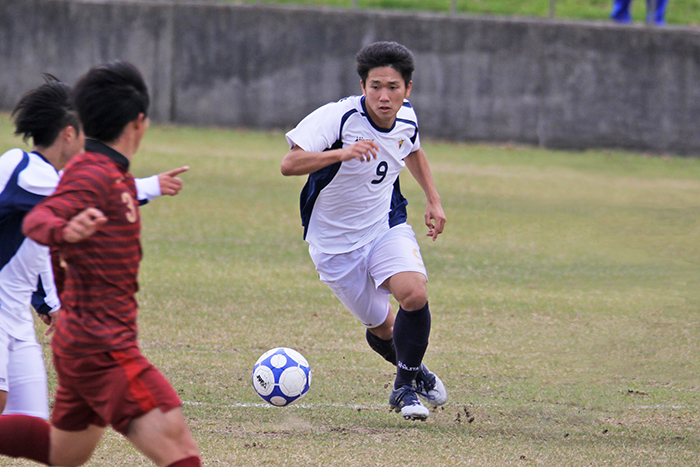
x=401 y=141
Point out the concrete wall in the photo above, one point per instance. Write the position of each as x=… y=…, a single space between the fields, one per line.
x=555 y=84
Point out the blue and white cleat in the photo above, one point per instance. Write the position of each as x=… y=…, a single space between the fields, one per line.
x=406 y=401
x=429 y=386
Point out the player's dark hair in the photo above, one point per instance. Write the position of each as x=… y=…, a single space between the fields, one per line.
x=108 y=97
x=42 y=113
x=380 y=54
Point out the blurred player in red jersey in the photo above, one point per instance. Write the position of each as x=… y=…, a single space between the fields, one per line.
x=93 y=222
x=47 y=116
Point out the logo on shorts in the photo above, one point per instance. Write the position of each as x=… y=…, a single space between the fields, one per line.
x=416 y=253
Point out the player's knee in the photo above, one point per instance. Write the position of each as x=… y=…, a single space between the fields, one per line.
x=3 y=400
x=414 y=300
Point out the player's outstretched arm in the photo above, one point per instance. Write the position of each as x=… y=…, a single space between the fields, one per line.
x=166 y=183
x=435 y=218
x=301 y=162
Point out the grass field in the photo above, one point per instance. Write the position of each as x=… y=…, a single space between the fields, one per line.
x=564 y=294
x=682 y=12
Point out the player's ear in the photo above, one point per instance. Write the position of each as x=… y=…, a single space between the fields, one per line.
x=68 y=134
x=362 y=85
x=141 y=123
x=408 y=89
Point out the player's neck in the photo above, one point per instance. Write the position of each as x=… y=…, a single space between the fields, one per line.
x=123 y=148
x=386 y=123
x=53 y=154
x=128 y=142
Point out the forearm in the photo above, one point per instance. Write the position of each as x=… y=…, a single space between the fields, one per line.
x=417 y=164
x=44 y=227
x=301 y=162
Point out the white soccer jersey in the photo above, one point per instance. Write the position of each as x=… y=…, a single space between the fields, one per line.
x=346 y=205
x=25 y=179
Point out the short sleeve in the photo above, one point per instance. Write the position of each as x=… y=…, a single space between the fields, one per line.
x=320 y=129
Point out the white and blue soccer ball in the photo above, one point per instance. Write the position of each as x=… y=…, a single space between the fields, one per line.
x=281 y=376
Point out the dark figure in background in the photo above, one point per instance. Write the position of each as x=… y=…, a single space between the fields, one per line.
x=656 y=11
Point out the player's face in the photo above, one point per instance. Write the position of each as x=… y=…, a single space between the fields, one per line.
x=384 y=91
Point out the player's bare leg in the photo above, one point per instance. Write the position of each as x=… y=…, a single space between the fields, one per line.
x=163 y=437
x=73 y=448
x=3 y=400
x=409 y=288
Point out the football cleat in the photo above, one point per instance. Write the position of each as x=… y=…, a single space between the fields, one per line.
x=429 y=386
x=404 y=400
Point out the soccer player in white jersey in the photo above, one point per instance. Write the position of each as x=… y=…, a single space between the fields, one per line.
x=45 y=115
x=354 y=215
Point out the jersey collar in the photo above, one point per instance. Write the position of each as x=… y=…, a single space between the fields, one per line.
x=92 y=145
x=371 y=122
x=44 y=159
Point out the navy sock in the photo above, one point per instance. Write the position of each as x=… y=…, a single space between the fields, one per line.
x=411 y=333
x=385 y=348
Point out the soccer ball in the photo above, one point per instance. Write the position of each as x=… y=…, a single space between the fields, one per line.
x=281 y=376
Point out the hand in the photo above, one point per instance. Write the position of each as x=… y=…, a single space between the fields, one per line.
x=435 y=220
x=50 y=320
x=169 y=184
x=365 y=151
x=83 y=225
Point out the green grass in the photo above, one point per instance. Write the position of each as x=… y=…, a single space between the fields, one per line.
x=682 y=12
x=564 y=294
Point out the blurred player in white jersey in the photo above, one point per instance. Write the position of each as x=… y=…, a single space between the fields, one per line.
x=354 y=215
x=45 y=115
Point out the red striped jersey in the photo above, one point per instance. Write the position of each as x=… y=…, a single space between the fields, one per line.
x=99 y=281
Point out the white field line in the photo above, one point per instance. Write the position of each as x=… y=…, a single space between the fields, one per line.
x=301 y=406
x=386 y=406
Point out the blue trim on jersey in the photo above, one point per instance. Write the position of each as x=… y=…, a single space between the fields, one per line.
x=309 y=194
x=397 y=214
x=15 y=203
x=410 y=122
x=413 y=124
x=320 y=179
x=342 y=124
x=39 y=300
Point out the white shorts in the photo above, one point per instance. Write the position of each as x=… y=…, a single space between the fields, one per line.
x=356 y=277
x=23 y=377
